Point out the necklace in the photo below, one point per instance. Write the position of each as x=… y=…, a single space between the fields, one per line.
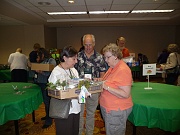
x=70 y=75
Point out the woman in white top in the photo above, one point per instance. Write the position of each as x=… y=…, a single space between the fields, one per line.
x=66 y=70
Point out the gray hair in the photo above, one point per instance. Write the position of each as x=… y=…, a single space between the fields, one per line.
x=89 y=35
x=173 y=48
x=114 y=49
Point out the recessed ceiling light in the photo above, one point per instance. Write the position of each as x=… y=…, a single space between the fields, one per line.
x=71 y=1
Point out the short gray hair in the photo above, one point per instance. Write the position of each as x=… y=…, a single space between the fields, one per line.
x=173 y=48
x=90 y=35
x=114 y=49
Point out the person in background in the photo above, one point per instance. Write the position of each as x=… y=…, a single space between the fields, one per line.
x=163 y=57
x=68 y=58
x=91 y=63
x=162 y=60
x=172 y=61
x=33 y=59
x=115 y=100
x=18 y=65
x=42 y=80
x=142 y=59
x=33 y=54
x=121 y=41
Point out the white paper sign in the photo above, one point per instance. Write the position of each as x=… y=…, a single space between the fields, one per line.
x=88 y=76
x=149 y=69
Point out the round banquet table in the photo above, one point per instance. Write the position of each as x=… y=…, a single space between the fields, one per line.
x=158 y=107
x=14 y=105
x=5 y=75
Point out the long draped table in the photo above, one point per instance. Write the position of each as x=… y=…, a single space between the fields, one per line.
x=158 y=107
x=14 y=105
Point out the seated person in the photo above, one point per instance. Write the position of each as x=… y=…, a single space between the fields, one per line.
x=163 y=57
x=142 y=59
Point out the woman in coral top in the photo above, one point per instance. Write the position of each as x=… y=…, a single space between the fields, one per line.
x=115 y=100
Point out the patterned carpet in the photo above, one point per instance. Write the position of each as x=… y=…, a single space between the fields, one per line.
x=27 y=127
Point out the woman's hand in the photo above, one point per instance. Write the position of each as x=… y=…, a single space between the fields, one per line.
x=97 y=79
x=105 y=86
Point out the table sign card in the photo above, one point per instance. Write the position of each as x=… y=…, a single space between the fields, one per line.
x=149 y=69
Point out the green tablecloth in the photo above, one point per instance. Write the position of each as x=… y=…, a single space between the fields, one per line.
x=15 y=106
x=156 y=108
x=135 y=71
x=135 y=68
x=5 y=75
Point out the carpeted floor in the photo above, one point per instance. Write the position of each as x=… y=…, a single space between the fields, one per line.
x=27 y=127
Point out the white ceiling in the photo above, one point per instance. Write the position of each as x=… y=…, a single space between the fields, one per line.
x=29 y=12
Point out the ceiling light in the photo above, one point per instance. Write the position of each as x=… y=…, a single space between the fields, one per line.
x=66 y=13
x=108 y=12
x=71 y=1
x=152 y=11
x=90 y=12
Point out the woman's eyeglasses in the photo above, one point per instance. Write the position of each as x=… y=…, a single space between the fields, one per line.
x=107 y=57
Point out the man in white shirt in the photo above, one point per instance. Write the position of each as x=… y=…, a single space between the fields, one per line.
x=18 y=66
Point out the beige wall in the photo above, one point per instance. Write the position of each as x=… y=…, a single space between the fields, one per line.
x=178 y=35
x=12 y=37
x=149 y=40
x=50 y=35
